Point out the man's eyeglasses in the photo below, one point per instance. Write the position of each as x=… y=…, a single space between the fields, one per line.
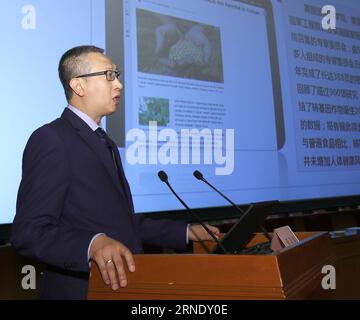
x=110 y=74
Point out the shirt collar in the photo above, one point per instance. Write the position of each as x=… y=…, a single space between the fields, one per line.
x=83 y=116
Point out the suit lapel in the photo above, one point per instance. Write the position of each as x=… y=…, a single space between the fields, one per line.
x=95 y=144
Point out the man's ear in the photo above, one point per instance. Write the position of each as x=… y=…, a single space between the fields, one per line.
x=78 y=86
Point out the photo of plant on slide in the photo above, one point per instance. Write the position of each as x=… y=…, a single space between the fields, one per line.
x=154 y=109
x=177 y=47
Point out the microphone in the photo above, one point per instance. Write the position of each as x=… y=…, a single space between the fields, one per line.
x=164 y=178
x=198 y=175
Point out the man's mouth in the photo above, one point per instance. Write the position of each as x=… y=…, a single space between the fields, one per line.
x=117 y=99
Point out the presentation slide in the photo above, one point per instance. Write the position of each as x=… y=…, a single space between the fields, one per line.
x=267 y=70
x=261 y=96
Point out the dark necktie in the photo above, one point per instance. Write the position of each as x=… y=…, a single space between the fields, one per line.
x=105 y=140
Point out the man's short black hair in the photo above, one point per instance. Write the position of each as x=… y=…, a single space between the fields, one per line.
x=72 y=65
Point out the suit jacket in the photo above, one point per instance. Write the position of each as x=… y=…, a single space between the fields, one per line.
x=69 y=192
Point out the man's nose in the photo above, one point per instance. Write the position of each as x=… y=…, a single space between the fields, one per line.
x=118 y=84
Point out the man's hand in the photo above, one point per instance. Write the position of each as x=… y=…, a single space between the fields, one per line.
x=108 y=254
x=198 y=233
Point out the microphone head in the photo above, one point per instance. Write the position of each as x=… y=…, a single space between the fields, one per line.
x=198 y=175
x=163 y=176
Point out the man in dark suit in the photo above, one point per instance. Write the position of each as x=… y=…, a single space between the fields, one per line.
x=74 y=204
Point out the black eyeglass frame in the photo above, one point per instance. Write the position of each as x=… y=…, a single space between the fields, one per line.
x=110 y=74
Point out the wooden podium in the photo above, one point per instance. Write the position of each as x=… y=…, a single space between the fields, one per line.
x=292 y=273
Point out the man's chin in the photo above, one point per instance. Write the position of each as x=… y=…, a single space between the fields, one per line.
x=111 y=110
